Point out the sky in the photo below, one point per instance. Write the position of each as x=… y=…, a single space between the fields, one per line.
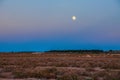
x=40 y=25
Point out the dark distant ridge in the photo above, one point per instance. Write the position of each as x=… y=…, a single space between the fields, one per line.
x=78 y=51
x=84 y=51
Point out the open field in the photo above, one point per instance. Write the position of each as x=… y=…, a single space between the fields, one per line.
x=62 y=66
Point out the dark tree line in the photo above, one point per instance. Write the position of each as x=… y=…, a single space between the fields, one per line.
x=85 y=51
x=78 y=51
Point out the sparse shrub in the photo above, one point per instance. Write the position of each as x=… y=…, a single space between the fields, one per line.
x=47 y=73
x=112 y=76
x=62 y=64
x=89 y=78
x=20 y=74
x=69 y=77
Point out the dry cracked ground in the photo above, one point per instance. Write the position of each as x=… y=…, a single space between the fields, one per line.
x=59 y=66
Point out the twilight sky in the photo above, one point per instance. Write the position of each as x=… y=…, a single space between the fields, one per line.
x=38 y=25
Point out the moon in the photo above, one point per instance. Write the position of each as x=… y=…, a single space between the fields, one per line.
x=73 y=18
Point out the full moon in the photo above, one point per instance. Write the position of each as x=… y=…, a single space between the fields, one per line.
x=73 y=18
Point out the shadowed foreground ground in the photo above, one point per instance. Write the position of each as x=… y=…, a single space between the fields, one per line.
x=62 y=66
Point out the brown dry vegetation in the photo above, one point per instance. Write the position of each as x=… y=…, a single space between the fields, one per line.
x=60 y=66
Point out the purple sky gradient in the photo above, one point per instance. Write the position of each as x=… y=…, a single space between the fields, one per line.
x=46 y=24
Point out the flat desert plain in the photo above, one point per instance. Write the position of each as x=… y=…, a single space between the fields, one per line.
x=59 y=66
